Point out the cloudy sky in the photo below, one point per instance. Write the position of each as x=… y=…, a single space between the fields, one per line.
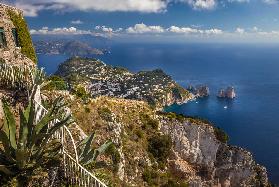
x=195 y=20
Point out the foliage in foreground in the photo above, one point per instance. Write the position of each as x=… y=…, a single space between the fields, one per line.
x=88 y=155
x=32 y=148
x=24 y=37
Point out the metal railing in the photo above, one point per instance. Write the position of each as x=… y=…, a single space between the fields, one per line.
x=22 y=76
x=75 y=173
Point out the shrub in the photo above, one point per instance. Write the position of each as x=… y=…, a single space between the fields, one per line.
x=148 y=122
x=105 y=114
x=87 y=110
x=56 y=83
x=221 y=135
x=80 y=92
x=115 y=156
x=150 y=176
x=160 y=147
x=24 y=37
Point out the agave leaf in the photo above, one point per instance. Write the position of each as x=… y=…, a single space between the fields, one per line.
x=6 y=145
x=104 y=147
x=5 y=170
x=9 y=125
x=23 y=130
x=86 y=144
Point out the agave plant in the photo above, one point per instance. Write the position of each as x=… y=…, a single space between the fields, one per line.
x=32 y=147
x=87 y=154
x=13 y=76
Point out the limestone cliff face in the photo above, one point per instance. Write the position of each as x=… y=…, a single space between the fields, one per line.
x=208 y=161
x=197 y=156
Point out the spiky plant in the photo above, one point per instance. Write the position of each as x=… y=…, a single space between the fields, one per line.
x=87 y=154
x=17 y=76
x=32 y=147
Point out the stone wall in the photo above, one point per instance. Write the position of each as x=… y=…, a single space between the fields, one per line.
x=11 y=53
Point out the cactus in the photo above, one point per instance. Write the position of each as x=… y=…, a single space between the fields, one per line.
x=33 y=146
x=87 y=155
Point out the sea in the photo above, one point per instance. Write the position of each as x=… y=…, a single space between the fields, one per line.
x=251 y=120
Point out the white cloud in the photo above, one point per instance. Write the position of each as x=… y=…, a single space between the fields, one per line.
x=240 y=30
x=239 y=1
x=77 y=22
x=182 y=30
x=270 y=1
x=201 y=4
x=64 y=30
x=142 y=28
x=189 y=30
x=31 y=7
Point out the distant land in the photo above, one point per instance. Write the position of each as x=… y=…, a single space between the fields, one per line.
x=155 y=87
x=70 y=48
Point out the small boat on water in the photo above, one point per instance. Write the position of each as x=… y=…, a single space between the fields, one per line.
x=225 y=107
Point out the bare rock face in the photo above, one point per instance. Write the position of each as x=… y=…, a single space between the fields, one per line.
x=207 y=162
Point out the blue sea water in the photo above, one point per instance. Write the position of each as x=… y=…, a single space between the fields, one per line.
x=251 y=120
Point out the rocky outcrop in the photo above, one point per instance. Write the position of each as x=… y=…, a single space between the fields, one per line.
x=210 y=162
x=199 y=91
x=228 y=93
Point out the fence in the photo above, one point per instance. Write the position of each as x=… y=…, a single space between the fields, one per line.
x=75 y=173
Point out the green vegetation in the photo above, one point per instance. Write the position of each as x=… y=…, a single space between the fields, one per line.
x=148 y=122
x=114 y=154
x=160 y=147
x=221 y=135
x=24 y=37
x=2 y=61
x=87 y=155
x=154 y=177
x=105 y=114
x=32 y=150
x=55 y=83
x=80 y=92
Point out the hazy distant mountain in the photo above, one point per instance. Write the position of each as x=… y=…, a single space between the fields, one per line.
x=93 y=41
x=70 y=48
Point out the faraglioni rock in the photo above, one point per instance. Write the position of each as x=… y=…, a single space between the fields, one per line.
x=199 y=91
x=228 y=93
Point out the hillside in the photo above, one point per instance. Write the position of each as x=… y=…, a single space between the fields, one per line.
x=100 y=79
x=163 y=149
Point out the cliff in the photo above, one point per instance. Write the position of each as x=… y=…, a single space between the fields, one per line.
x=195 y=153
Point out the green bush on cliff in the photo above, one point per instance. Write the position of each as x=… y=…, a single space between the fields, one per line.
x=105 y=114
x=160 y=147
x=24 y=37
x=221 y=135
x=56 y=83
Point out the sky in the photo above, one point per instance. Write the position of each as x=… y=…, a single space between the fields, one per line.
x=156 y=20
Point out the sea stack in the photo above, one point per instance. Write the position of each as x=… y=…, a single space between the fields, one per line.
x=203 y=91
x=228 y=93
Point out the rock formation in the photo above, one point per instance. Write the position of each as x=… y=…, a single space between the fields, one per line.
x=199 y=91
x=228 y=93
